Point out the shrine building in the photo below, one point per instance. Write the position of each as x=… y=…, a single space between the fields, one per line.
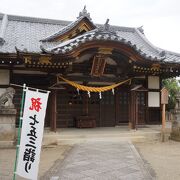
x=98 y=75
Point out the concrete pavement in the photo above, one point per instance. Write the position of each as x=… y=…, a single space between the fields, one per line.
x=100 y=160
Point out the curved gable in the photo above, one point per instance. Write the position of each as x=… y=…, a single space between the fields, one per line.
x=80 y=26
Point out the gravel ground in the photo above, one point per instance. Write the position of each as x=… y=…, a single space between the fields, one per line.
x=162 y=159
x=49 y=155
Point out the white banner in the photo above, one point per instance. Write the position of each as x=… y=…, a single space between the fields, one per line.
x=31 y=134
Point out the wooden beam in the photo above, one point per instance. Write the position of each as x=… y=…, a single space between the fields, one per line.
x=53 y=116
x=88 y=78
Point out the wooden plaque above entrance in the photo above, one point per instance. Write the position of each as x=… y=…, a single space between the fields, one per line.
x=98 y=65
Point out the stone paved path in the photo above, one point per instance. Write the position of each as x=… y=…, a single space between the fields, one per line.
x=100 y=161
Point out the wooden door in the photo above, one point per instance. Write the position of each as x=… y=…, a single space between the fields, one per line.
x=141 y=107
x=122 y=107
x=94 y=107
x=107 y=109
x=69 y=106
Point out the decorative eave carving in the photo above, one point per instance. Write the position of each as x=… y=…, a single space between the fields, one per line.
x=45 y=62
x=156 y=66
x=105 y=50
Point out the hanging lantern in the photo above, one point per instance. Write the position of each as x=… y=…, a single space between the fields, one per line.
x=89 y=94
x=113 y=91
x=100 y=95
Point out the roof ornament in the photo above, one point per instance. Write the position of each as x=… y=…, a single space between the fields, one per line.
x=107 y=28
x=84 y=13
x=141 y=29
x=162 y=53
x=106 y=25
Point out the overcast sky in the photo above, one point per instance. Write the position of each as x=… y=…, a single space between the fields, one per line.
x=160 y=18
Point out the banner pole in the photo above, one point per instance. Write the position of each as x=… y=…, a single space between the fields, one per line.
x=19 y=130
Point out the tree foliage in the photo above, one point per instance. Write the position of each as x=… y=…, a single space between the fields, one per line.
x=172 y=85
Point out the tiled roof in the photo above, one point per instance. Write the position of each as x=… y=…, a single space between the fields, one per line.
x=127 y=38
x=25 y=33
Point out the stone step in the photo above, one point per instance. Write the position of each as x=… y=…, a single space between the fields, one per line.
x=58 y=138
x=81 y=140
x=108 y=135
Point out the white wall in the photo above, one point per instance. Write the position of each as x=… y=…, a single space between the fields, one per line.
x=2 y=90
x=4 y=77
x=153 y=99
x=153 y=82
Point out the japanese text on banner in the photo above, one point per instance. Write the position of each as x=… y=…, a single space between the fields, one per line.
x=31 y=134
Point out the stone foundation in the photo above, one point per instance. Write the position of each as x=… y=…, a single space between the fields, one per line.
x=7 y=126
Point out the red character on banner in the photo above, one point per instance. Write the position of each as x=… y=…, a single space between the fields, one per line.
x=36 y=104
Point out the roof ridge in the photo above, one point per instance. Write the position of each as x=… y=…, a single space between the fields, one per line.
x=36 y=19
x=55 y=21
x=129 y=29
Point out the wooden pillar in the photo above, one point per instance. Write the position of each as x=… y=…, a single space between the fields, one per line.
x=136 y=109
x=116 y=106
x=132 y=110
x=163 y=133
x=53 y=110
x=163 y=116
x=85 y=104
x=164 y=101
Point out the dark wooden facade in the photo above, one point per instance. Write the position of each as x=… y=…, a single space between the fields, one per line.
x=93 y=56
x=66 y=104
